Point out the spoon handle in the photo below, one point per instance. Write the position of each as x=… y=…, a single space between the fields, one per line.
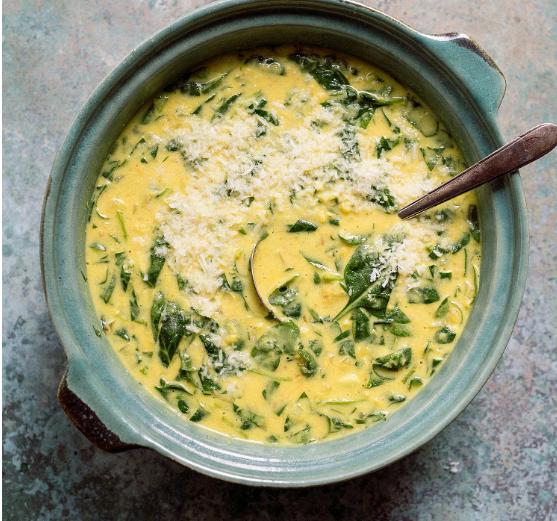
x=519 y=152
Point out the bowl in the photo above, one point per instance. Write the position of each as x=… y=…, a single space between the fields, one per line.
x=450 y=72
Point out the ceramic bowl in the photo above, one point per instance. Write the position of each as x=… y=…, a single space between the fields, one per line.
x=450 y=72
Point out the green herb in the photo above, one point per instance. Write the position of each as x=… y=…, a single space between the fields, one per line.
x=425 y=295
x=336 y=425
x=395 y=361
x=354 y=240
x=372 y=418
x=97 y=332
x=326 y=75
x=383 y=199
x=360 y=325
x=225 y=106
x=302 y=436
x=445 y=335
x=437 y=251
x=157 y=308
x=258 y=109
x=373 y=296
x=216 y=354
x=157 y=258
x=165 y=387
x=463 y=241
x=249 y=419
x=397 y=398
x=269 y=64
x=194 y=88
x=334 y=222
x=385 y=145
x=109 y=289
x=109 y=174
x=316 y=346
x=207 y=384
x=473 y=222
x=270 y=389
x=316 y=278
x=443 y=309
x=308 y=364
x=316 y=263
x=399 y=330
x=183 y=406
x=347 y=348
x=198 y=415
x=134 y=308
x=122 y=333
x=281 y=338
x=301 y=226
x=446 y=274
x=238 y=287
x=97 y=246
x=173 y=328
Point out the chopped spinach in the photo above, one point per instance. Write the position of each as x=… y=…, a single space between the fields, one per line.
x=207 y=384
x=157 y=309
x=225 y=106
x=173 y=329
x=249 y=419
x=270 y=389
x=463 y=241
x=134 y=308
x=445 y=335
x=443 y=309
x=216 y=354
x=347 y=348
x=473 y=222
x=354 y=240
x=281 y=338
x=383 y=199
x=395 y=361
x=158 y=253
x=109 y=289
x=425 y=295
x=301 y=225
x=198 y=415
x=308 y=364
x=366 y=266
x=385 y=145
x=194 y=88
x=360 y=325
x=122 y=333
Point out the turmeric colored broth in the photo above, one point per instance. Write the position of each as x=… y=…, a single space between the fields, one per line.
x=310 y=155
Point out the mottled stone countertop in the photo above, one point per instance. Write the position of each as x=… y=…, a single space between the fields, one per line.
x=497 y=461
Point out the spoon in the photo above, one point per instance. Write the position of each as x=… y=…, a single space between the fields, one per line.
x=266 y=305
x=519 y=152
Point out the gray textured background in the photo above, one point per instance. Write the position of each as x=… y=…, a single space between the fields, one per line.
x=498 y=460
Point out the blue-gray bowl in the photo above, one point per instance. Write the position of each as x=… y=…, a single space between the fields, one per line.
x=450 y=72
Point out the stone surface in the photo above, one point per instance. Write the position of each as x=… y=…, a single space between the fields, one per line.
x=498 y=460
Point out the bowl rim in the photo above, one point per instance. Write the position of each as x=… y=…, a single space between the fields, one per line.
x=78 y=375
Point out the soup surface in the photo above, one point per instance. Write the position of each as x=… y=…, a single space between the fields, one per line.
x=309 y=155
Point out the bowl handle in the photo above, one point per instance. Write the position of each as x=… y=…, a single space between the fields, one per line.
x=85 y=419
x=475 y=69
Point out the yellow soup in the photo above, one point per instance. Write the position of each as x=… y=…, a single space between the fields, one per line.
x=309 y=155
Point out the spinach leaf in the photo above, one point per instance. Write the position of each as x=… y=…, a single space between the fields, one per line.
x=302 y=436
x=269 y=64
x=347 y=348
x=372 y=418
x=109 y=174
x=437 y=251
x=443 y=309
x=183 y=406
x=473 y=222
x=165 y=387
x=383 y=199
x=158 y=253
x=301 y=225
x=194 y=88
x=445 y=335
x=385 y=145
x=186 y=370
x=316 y=263
x=216 y=354
x=354 y=240
x=249 y=419
x=207 y=384
x=225 y=106
x=463 y=241
x=425 y=295
x=157 y=308
x=326 y=75
x=395 y=315
x=173 y=329
x=134 y=308
x=287 y=299
x=126 y=269
x=109 y=289
x=307 y=363
x=365 y=266
x=270 y=389
x=316 y=346
x=238 y=287
x=336 y=425
x=360 y=325
x=282 y=338
x=399 y=330
x=395 y=361
x=198 y=415
x=267 y=116
x=122 y=333
x=97 y=246
x=397 y=398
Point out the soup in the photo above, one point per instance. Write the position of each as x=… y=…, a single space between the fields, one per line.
x=308 y=155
